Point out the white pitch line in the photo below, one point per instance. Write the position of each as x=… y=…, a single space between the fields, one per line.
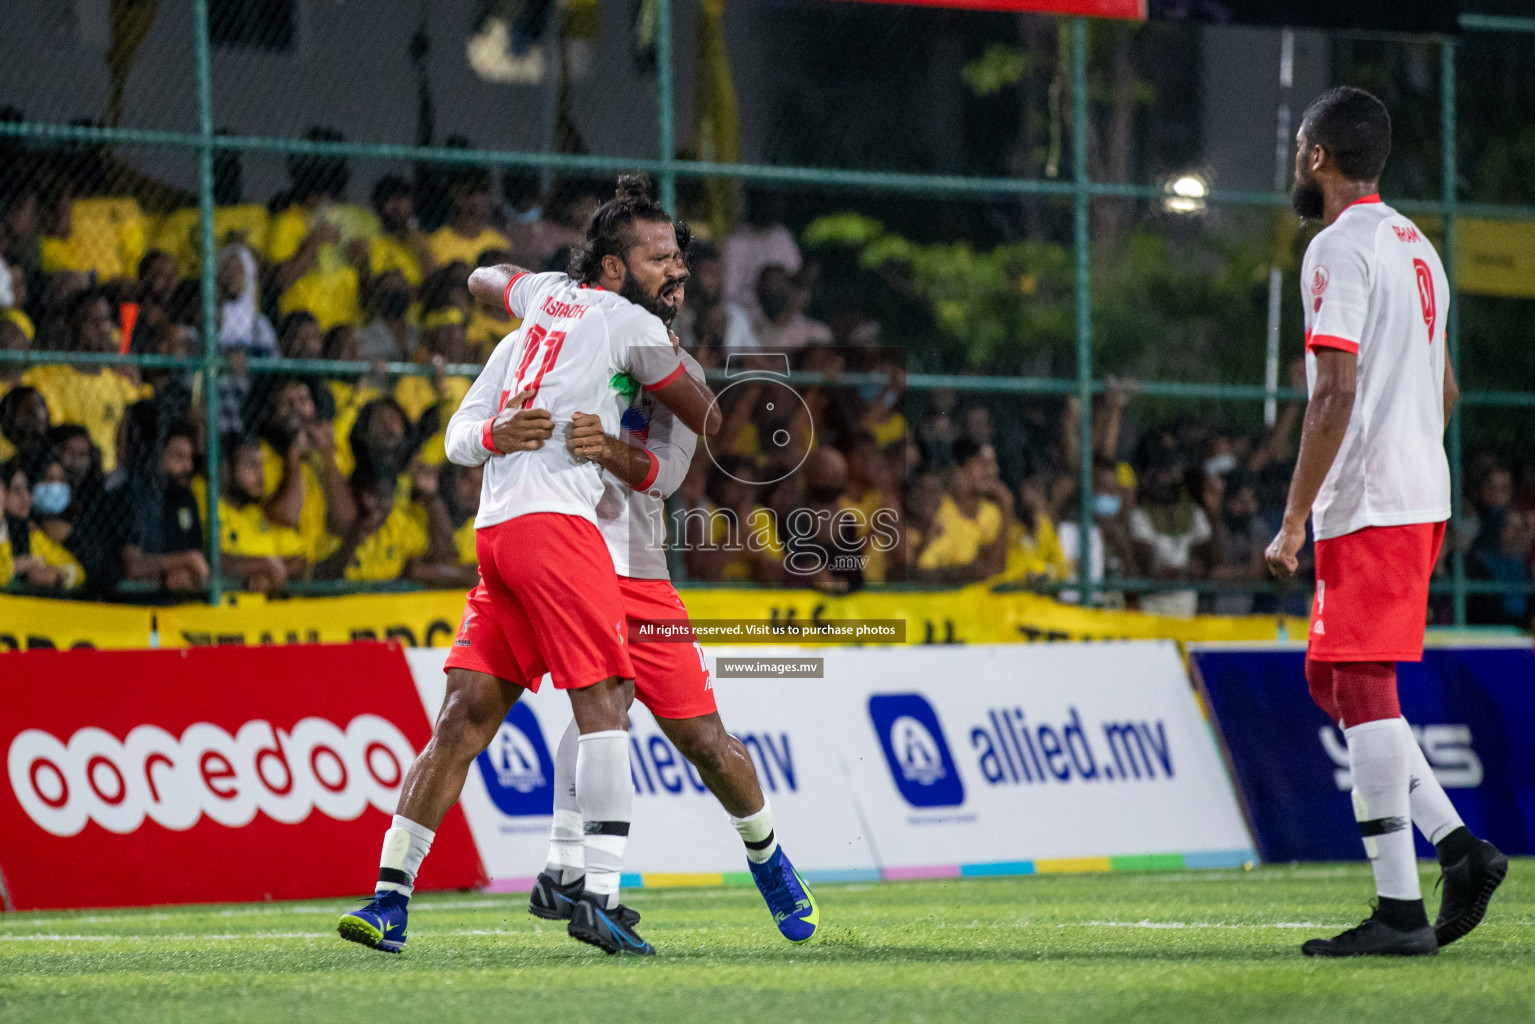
x=1192 y=924
x=184 y=937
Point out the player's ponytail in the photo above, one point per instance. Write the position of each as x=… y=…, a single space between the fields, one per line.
x=609 y=233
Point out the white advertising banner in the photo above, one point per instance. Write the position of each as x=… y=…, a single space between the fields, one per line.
x=901 y=762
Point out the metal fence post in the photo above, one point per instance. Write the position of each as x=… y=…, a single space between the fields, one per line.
x=668 y=143
x=210 y=320
x=1452 y=320
x=1082 y=242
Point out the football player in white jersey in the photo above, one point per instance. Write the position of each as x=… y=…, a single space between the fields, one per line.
x=1372 y=476
x=548 y=598
x=643 y=465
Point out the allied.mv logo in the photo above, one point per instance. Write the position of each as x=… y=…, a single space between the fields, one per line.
x=516 y=767
x=916 y=751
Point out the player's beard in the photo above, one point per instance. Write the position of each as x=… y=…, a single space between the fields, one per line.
x=1307 y=199
x=636 y=294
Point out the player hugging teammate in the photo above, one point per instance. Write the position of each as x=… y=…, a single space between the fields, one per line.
x=569 y=548
x=1373 y=476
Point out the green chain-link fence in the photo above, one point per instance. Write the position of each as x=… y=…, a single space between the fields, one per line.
x=217 y=382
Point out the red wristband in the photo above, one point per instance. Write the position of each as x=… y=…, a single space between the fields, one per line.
x=487 y=440
x=655 y=471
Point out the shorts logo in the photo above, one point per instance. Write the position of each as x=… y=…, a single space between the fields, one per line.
x=463 y=630
x=915 y=750
x=516 y=768
x=1321 y=594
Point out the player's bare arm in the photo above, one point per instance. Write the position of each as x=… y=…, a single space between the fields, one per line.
x=1451 y=393
x=1327 y=416
x=692 y=403
x=489 y=284
x=587 y=441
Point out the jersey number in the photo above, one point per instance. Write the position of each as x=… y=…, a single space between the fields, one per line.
x=1426 y=296
x=539 y=341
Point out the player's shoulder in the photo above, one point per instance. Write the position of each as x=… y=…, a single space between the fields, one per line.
x=630 y=319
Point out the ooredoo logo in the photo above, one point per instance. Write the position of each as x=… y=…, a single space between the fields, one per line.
x=285 y=774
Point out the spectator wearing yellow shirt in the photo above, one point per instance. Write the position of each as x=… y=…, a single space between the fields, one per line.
x=104 y=236
x=12 y=339
x=262 y=554
x=468 y=232
x=400 y=246
x=968 y=537
x=308 y=242
x=304 y=488
x=386 y=542
x=1034 y=552
x=431 y=401
x=739 y=540
x=93 y=396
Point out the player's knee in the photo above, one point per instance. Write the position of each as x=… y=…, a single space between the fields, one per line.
x=707 y=746
x=1319 y=680
x=472 y=708
x=1365 y=691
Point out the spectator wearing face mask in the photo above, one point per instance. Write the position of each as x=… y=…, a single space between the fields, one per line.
x=781 y=322
x=96 y=515
x=1172 y=535
x=1110 y=550
x=165 y=537
x=52 y=564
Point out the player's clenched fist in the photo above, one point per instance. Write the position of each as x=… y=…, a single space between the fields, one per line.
x=521 y=430
x=1282 y=551
x=586 y=438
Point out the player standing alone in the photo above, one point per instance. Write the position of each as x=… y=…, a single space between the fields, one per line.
x=1372 y=474
x=548 y=598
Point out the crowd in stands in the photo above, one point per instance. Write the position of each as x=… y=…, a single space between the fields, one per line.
x=343 y=477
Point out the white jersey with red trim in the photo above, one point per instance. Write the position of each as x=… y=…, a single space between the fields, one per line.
x=633 y=520
x=578 y=348
x=1374 y=286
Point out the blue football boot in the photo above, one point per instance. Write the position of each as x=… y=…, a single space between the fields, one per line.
x=794 y=908
x=379 y=925
x=611 y=931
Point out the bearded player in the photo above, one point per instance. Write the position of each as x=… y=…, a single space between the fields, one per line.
x=548 y=598
x=644 y=465
x=1373 y=476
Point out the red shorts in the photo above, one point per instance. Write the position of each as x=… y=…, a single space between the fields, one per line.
x=671 y=679
x=547 y=601
x=1372 y=593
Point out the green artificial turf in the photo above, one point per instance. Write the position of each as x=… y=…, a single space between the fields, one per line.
x=1217 y=946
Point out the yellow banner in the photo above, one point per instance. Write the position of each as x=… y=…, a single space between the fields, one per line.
x=430 y=619
x=37 y=623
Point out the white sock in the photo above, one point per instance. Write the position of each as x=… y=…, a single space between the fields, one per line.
x=757 y=833
x=1378 y=758
x=605 y=794
x=567 y=849
x=406 y=845
x=1432 y=811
